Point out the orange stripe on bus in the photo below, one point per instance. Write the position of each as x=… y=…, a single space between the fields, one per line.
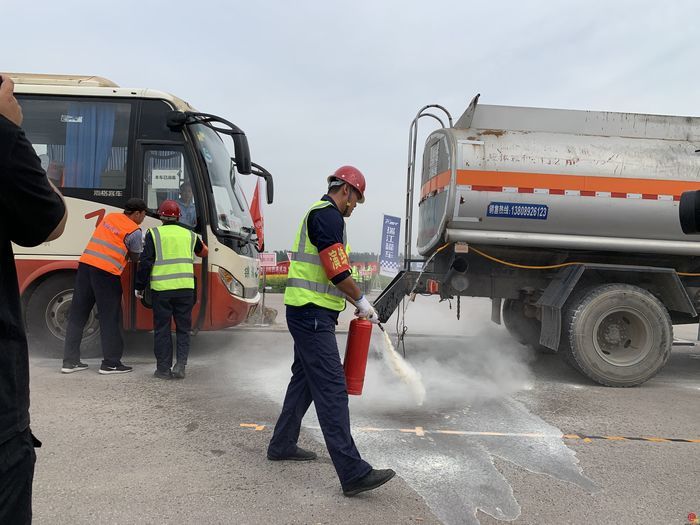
x=556 y=183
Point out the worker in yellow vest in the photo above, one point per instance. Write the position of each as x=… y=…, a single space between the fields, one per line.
x=98 y=281
x=318 y=283
x=167 y=262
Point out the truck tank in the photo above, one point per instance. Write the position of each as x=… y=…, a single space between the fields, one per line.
x=559 y=179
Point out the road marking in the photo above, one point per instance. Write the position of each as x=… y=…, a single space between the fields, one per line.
x=253 y=425
x=418 y=431
x=422 y=431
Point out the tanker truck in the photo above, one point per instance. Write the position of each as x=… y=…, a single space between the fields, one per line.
x=568 y=221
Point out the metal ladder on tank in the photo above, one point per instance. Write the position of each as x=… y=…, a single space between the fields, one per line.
x=410 y=179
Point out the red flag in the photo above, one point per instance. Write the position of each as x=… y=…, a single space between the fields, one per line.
x=257 y=216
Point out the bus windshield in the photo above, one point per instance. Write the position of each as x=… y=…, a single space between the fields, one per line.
x=230 y=206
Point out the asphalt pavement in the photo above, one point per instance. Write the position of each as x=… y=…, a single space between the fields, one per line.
x=503 y=435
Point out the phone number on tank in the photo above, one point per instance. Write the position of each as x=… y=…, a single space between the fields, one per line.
x=517 y=211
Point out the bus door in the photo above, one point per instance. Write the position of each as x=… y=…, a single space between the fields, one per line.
x=166 y=174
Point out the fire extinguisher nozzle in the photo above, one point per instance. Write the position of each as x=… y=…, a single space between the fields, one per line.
x=380 y=326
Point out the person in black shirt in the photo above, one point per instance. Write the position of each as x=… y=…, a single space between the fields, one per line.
x=32 y=211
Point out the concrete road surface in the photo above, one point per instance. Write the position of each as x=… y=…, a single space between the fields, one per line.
x=502 y=435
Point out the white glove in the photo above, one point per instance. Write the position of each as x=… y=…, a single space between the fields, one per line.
x=365 y=309
x=138 y=293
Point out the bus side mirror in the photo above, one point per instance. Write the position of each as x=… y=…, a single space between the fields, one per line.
x=242 y=152
x=689 y=211
x=270 y=188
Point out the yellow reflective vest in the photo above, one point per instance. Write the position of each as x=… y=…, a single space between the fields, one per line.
x=173 y=268
x=307 y=281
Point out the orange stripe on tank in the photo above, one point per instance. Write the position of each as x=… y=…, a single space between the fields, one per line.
x=558 y=183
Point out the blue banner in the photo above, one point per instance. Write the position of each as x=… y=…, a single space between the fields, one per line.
x=389 y=263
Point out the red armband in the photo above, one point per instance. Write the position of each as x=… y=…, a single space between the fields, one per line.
x=334 y=260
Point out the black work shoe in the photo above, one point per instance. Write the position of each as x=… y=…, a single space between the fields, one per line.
x=374 y=479
x=160 y=374
x=74 y=367
x=119 y=369
x=298 y=455
x=179 y=371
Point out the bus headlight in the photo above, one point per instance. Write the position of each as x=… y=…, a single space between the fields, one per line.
x=232 y=284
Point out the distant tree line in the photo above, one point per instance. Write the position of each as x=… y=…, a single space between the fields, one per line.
x=362 y=257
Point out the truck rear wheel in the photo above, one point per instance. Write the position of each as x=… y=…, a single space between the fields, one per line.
x=526 y=330
x=617 y=334
x=47 y=319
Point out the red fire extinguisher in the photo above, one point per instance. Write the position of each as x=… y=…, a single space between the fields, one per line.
x=356 y=355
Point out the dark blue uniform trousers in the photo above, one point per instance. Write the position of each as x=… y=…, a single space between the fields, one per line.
x=317 y=375
x=167 y=305
x=93 y=285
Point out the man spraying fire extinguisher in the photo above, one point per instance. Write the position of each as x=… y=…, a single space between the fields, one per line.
x=318 y=283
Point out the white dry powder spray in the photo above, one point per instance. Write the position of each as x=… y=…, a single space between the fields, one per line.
x=403 y=370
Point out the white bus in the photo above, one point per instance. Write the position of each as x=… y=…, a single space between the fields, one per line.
x=101 y=145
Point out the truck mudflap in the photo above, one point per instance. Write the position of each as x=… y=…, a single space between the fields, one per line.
x=405 y=283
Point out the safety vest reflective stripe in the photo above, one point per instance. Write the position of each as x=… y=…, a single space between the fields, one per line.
x=301 y=250
x=105 y=257
x=157 y=244
x=171 y=276
x=106 y=249
x=173 y=268
x=306 y=257
x=316 y=287
x=119 y=249
x=173 y=261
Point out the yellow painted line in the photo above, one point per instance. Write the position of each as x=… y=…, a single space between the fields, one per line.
x=253 y=425
x=420 y=431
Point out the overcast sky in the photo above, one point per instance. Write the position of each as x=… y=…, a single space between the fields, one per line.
x=316 y=85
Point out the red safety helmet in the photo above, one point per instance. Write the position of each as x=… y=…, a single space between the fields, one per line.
x=169 y=208
x=353 y=177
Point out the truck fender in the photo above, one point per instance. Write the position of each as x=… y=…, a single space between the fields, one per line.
x=663 y=282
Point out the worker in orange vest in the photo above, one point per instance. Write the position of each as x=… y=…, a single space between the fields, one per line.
x=98 y=280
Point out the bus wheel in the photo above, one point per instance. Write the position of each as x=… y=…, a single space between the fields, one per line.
x=524 y=329
x=617 y=334
x=47 y=319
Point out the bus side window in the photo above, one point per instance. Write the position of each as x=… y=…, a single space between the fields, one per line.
x=166 y=176
x=82 y=144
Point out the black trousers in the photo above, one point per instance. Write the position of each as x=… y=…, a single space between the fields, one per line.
x=317 y=375
x=167 y=305
x=93 y=285
x=17 y=459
